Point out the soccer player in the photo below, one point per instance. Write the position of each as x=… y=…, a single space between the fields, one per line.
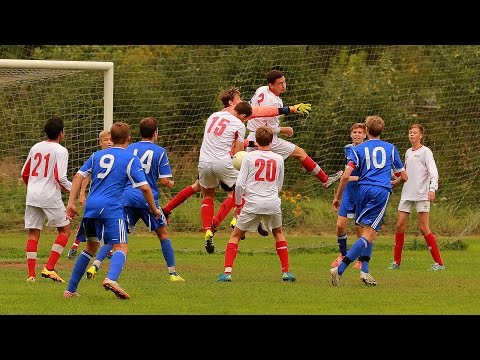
x=45 y=174
x=374 y=160
x=229 y=99
x=155 y=163
x=419 y=192
x=223 y=131
x=269 y=95
x=103 y=217
x=104 y=142
x=349 y=198
x=260 y=180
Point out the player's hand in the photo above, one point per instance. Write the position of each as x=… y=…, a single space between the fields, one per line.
x=237 y=212
x=301 y=108
x=71 y=212
x=158 y=213
x=335 y=205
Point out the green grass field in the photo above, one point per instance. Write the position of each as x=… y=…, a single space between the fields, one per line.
x=257 y=288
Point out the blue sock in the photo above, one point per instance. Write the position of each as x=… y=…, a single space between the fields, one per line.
x=342 y=244
x=104 y=250
x=167 y=250
x=368 y=253
x=116 y=265
x=78 y=270
x=355 y=251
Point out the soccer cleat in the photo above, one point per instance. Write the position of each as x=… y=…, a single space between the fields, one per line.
x=261 y=229
x=167 y=217
x=332 y=179
x=436 y=267
x=51 y=274
x=72 y=253
x=175 y=277
x=393 y=266
x=91 y=272
x=209 y=245
x=367 y=279
x=109 y=254
x=357 y=265
x=288 y=276
x=225 y=278
x=115 y=288
x=337 y=261
x=69 y=294
x=335 y=276
x=31 y=279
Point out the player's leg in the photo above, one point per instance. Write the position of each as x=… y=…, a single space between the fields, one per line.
x=105 y=249
x=404 y=208
x=160 y=228
x=423 y=210
x=114 y=230
x=274 y=222
x=34 y=219
x=183 y=195
x=56 y=217
x=88 y=232
x=74 y=249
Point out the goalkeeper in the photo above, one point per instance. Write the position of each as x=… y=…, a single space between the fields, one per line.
x=269 y=95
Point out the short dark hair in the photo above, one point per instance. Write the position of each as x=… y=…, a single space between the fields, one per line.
x=148 y=126
x=263 y=135
x=243 y=107
x=53 y=127
x=119 y=132
x=228 y=95
x=274 y=75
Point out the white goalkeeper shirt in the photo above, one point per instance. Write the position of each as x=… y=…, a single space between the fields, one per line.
x=260 y=179
x=222 y=130
x=422 y=174
x=45 y=173
x=264 y=97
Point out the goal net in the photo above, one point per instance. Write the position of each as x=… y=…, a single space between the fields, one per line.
x=436 y=86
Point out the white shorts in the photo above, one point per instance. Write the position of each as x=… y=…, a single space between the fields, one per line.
x=407 y=205
x=249 y=221
x=278 y=146
x=35 y=217
x=209 y=174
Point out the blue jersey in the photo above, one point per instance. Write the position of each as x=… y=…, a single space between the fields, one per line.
x=351 y=189
x=375 y=160
x=110 y=170
x=154 y=161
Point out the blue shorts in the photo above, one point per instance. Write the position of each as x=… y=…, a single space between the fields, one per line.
x=347 y=206
x=133 y=214
x=111 y=231
x=372 y=203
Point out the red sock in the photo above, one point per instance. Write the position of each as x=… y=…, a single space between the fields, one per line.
x=178 y=199
x=224 y=209
x=313 y=168
x=398 y=247
x=31 y=250
x=230 y=255
x=282 y=252
x=207 y=211
x=75 y=244
x=57 y=249
x=433 y=247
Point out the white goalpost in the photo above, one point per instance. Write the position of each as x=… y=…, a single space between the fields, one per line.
x=31 y=91
x=106 y=67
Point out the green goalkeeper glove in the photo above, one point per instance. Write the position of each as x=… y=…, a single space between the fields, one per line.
x=301 y=108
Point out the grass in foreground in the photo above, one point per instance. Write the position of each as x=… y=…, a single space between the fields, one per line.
x=256 y=288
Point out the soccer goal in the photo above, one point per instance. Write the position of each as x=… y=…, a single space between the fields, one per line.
x=31 y=91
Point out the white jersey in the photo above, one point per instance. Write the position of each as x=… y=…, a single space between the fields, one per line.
x=422 y=174
x=45 y=173
x=260 y=180
x=264 y=97
x=222 y=130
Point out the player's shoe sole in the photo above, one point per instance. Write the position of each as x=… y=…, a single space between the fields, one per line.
x=114 y=287
x=91 y=272
x=209 y=245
